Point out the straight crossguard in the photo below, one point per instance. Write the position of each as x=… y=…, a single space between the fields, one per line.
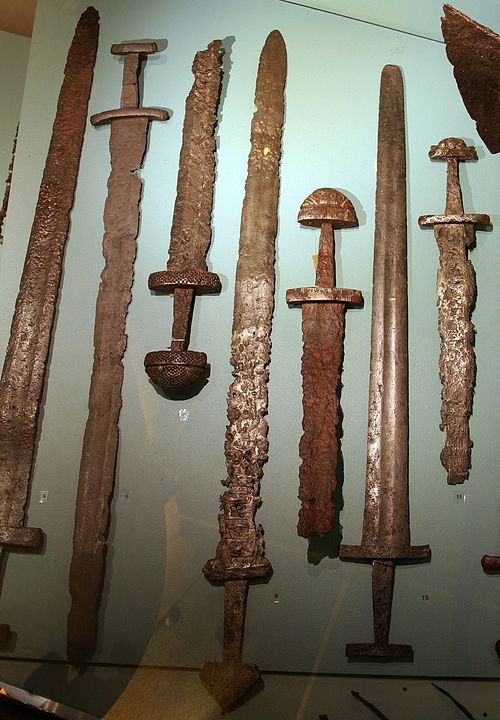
x=323 y=322
x=128 y=139
x=23 y=374
x=454 y=232
x=386 y=530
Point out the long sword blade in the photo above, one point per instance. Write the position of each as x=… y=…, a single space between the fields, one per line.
x=128 y=141
x=240 y=552
x=25 y=363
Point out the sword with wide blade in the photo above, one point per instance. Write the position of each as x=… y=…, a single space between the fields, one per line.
x=386 y=529
x=186 y=273
x=323 y=323
x=454 y=233
x=128 y=139
x=21 y=385
x=240 y=552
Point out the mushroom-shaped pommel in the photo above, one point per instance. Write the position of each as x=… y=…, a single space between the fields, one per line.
x=452 y=148
x=327 y=206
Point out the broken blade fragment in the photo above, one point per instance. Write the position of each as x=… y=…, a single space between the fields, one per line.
x=323 y=322
x=23 y=374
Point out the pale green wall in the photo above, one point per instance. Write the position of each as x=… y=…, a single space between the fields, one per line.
x=171 y=468
x=14 y=51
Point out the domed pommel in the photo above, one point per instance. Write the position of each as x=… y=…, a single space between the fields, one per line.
x=327 y=206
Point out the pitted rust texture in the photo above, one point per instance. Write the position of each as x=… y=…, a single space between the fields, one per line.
x=191 y=225
x=191 y=230
x=240 y=552
x=23 y=374
x=323 y=323
x=127 y=145
x=474 y=52
x=456 y=295
x=323 y=342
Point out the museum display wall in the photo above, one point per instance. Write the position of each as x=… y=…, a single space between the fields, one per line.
x=157 y=607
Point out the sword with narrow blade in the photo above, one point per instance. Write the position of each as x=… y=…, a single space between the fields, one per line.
x=186 y=273
x=23 y=374
x=386 y=529
x=323 y=323
x=240 y=552
x=128 y=139
x=454 y=233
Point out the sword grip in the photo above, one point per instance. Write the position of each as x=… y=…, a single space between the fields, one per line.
x=325 y=271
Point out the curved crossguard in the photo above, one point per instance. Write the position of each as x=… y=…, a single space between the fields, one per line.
x=454 y=232
x=323 y=322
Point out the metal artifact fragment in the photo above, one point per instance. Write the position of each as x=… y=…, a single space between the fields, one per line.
x=240 y=552
x=474 y=52
x=491 y=564
x=323 y=323
x=386 y=530
x=8 y=182
x=128 y=139
x=23 y=374
x=186 y=273
x=456 y=294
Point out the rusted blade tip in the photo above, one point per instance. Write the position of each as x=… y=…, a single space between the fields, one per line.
x=274 y=54
x=229 y=682
x=90 y=15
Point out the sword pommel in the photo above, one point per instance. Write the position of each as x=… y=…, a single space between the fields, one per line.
x=327 y=206
x=450 y=148
x=134 y=48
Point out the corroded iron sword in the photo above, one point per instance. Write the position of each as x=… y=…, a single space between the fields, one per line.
x=128 y=139
x=186 y=273
x=240 y=552
x=323 y=323
x=23 y=374
x=456 y=294
x=386 y=529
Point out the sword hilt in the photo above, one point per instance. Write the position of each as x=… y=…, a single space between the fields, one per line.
x=327 y=209
x=129 y=104
x=179 y=368
x=453 y=150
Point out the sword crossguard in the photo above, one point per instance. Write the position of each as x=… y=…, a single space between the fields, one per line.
x=129 y=104
x=453 y=151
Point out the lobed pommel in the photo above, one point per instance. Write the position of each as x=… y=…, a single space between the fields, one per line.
x=175 y=369
x=327 y=205
x=452 y=149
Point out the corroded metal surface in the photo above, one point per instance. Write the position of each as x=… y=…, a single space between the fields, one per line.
x=456 y=295
x=323 y=323
x=8 y=182
x=386 y=530
x=191 y=232
x=23 y=372
x=474 y=52
x=240 y=552
x=491 y=564
x=128 y=141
